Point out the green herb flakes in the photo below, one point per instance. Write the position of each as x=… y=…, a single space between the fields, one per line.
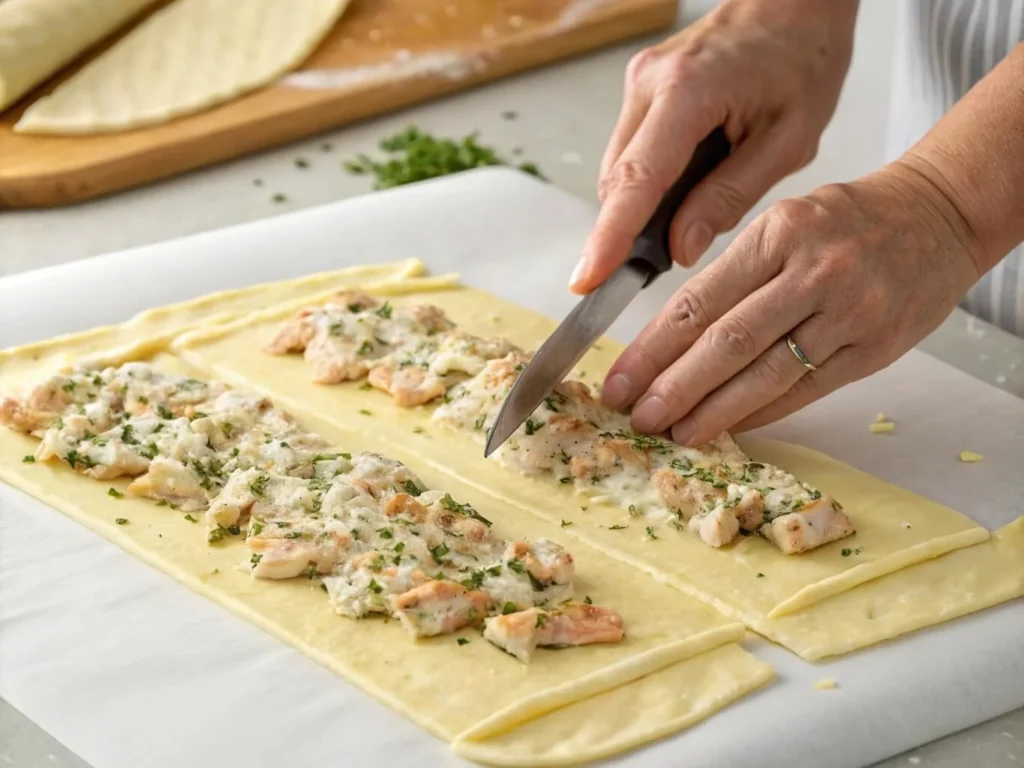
x=462 y=641
x=375 y=587
x=115 y=493
x=415 y=155
x=28 y=460
x=566 y=523
x=121 y=520
x=508 y=608
x=191 y=518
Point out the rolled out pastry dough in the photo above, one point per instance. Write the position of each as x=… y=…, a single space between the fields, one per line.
x=38 y=37
x=187 y=57
x=469 y=694
x=750 y=581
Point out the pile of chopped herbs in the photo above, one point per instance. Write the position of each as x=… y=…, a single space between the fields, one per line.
x=414 y=155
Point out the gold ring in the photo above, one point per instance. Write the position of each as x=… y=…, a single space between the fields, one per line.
x=800 y=354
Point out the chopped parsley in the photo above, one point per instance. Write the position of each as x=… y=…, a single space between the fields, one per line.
x=587 y=600
x=462 y=641
x=566 y=523
x=411 y=488
x=418 y=430
x=149 y=450
x=650 y=532
x=365 y=412
x=414 y=155
x=293 y=535
x=164 y=412
x=385 y=533
x=566 y=480
x=439 y=552
x=278 y=198
x=121 y=520
x=463 y=509
x=331 y=457
x=508 y=608
x=542 y=619
x=375 y=587
x=384 y=311
x=617 y=527
x=633 y=511
x=301 y=162
x=760 y=575
x=365 y=348
x=479 y=423
x=259 y=485
x=191 y=518
x=516 y=565
x=115 y=493
x=29 y=460
x=532 y=426
x=255 y=559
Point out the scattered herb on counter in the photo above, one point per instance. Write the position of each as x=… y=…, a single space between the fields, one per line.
x=326 y=147
x=121 y=520
x=587 y=600
x=115 y=493
x=508 y=608
x=411 y=488
x=617 y=527
x=257 y=182
x=418 y=430
x=278 y=198
x=365 y=412
x=191 y=518
x=301 y=162
x=566 y=523
x=462 y=641
x=650 y=532
x=510 y=114
x=323 y=586
x=415 y=155
x=29 y=460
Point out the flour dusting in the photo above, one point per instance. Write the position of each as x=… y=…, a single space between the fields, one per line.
x=403 y=64
x=577 y=11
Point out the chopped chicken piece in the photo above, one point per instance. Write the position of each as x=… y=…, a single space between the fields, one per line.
x=815 y=524
x=521 y=633
x=170 y=481
x=439 y=607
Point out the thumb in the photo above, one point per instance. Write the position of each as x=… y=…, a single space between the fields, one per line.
x=723 y=198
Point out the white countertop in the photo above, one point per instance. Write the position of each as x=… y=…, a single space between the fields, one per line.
x=565 y=113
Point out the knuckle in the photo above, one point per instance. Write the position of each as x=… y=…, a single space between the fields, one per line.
x=686 y=315
x=629 y=173
x=771 y=372
x=639 y=64
x=731 y=337
x=731 y=202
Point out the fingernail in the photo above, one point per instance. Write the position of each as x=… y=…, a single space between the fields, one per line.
x=650 y=415
x=616 y=391
x=696 y=240
x=578 y=274
x=683 y=431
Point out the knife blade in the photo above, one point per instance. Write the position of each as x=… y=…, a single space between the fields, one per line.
x=596 y=312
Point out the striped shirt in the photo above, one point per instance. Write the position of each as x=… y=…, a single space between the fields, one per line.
x=943 y=48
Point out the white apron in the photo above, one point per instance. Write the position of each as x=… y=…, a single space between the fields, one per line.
x=943 y=47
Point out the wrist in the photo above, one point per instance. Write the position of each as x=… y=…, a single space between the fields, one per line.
x=947 y=204
x=915 y=191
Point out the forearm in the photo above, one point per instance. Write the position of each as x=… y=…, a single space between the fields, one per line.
x=974 y=159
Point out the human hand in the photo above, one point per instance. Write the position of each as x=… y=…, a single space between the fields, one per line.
x=769 y=71
x=856 y=274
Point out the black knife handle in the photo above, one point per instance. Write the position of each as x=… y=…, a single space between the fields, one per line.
x=651 y=253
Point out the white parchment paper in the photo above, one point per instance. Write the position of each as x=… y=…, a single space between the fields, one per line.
x=128 y=668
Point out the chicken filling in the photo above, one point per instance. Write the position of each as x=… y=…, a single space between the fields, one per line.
x=381 y=542
x=417 y=355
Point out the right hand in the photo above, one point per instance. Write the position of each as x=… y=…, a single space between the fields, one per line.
x=769 y=71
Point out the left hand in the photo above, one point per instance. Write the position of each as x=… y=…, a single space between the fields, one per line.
x=856 y=273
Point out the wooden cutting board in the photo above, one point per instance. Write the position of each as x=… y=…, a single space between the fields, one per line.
x=382 y=55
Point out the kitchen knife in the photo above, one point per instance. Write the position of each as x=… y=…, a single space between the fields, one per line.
x=597 y=310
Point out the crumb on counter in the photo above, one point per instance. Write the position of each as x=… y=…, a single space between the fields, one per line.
x=825 y=684
x=882 y=427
